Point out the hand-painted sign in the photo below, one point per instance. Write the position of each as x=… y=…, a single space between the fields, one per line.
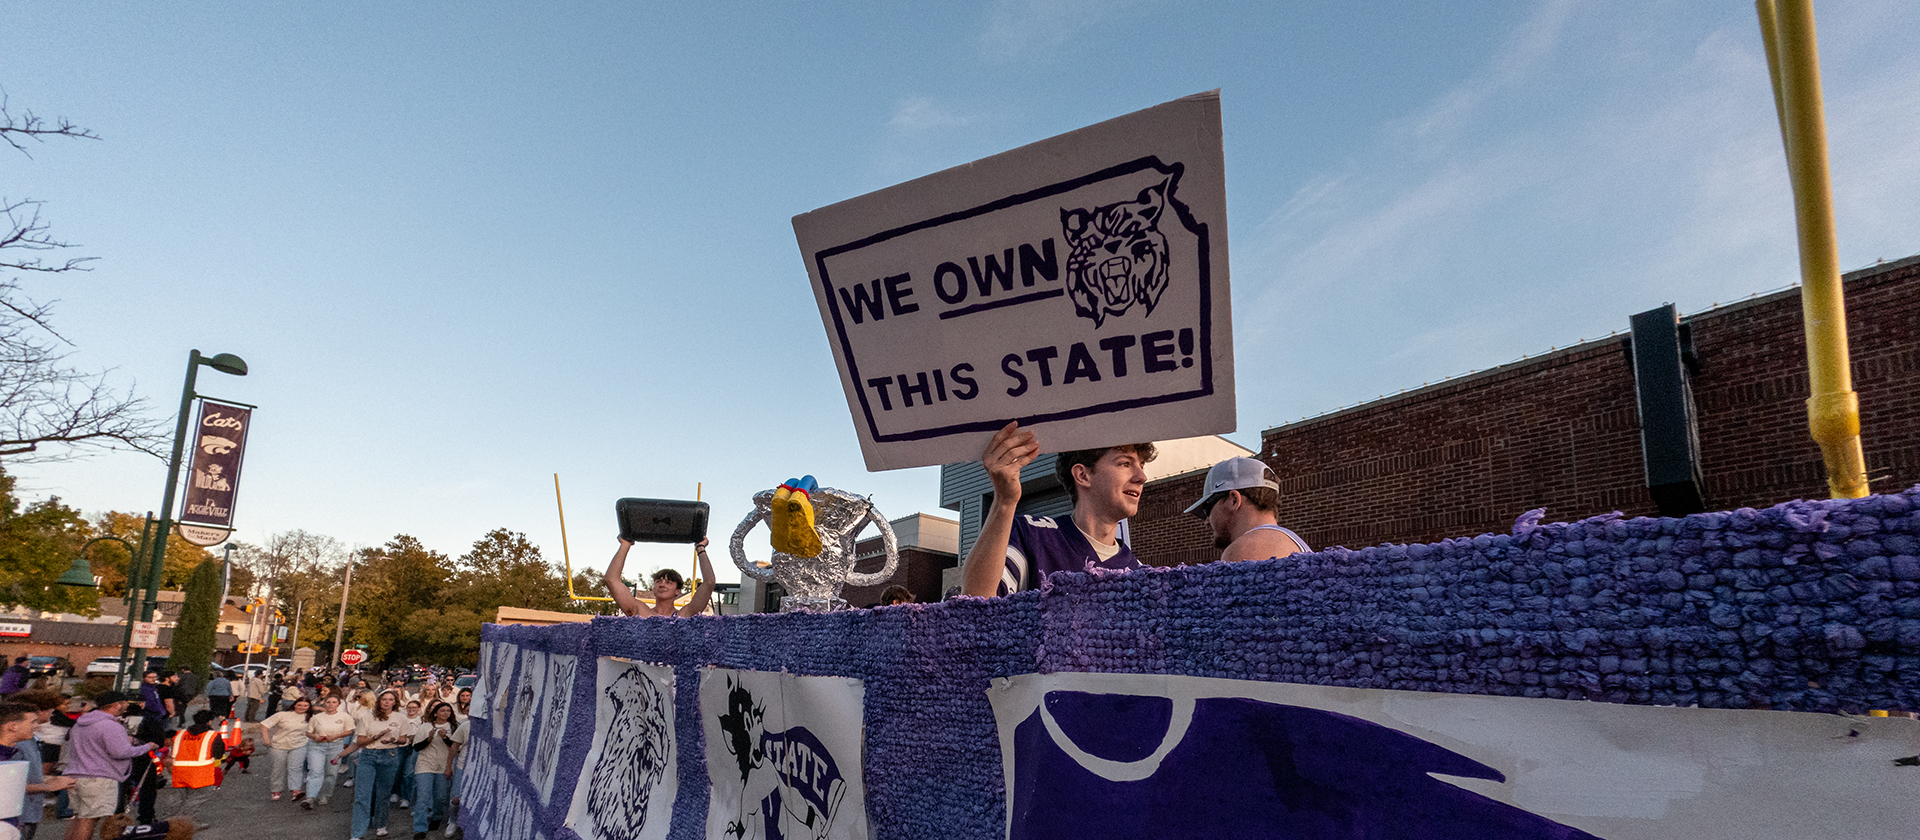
x=629 y=780
x=219 y=442
x=783 y=755
x=1078 y=285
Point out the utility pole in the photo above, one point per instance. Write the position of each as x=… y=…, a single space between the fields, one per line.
x=293 y=642
x=340 y=624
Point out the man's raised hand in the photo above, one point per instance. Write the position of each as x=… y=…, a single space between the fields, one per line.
x=1008 y=451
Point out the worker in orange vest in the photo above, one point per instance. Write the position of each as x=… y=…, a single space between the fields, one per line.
x=197 y=751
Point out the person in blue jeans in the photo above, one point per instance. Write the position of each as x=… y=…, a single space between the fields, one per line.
x=379 y=738
x=403 y=787
x=434 y=747
x=327 y=734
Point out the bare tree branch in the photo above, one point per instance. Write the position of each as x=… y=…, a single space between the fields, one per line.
x=50 y=410
x=29 y=126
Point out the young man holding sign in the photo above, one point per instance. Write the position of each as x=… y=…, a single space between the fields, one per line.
x=1015 y=552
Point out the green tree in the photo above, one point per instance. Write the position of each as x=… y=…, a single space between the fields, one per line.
x=109 y=559
x=193 y=637
x=504 y=570
x=37 y=546
x=390 y=583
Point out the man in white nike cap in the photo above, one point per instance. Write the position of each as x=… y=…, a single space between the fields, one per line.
x=1240 y=503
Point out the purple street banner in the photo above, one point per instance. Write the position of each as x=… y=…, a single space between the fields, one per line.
x=1154 y=755
x=1077 y=285
x=219 y=441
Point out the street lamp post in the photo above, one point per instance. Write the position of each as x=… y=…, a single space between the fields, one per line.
x=225 y=363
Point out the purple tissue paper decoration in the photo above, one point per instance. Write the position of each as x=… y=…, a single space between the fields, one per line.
x=1809 y=606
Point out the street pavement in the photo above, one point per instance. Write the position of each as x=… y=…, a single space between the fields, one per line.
x=243 y=809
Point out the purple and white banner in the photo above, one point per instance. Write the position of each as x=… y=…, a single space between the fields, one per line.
x=219 y=441
x=1155 y=755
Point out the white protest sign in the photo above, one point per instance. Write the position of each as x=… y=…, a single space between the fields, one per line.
x=1077 y=285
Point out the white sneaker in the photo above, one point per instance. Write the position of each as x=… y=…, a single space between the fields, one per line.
x=347 y=783
x=393 y=797
x=379 y=832
x=406 y=803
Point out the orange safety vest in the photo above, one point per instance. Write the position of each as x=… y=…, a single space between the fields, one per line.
x=193 y=762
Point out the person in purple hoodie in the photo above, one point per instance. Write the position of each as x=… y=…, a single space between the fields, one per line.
x=99 y=752
x=14 y=678
x=1016 y=552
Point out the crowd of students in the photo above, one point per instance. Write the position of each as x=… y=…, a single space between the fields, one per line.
x=391 y=746
x=108 y=757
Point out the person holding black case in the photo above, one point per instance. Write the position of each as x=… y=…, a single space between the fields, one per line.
x=667 y=586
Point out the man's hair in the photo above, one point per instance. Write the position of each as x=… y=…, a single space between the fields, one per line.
x=1265 y=499
x=1065 y=462
x=10 y=712
x=671 y=575
x=40 y=699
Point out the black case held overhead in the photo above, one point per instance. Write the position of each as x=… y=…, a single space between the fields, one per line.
x=661 y=520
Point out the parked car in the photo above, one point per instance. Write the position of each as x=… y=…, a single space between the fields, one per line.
x=465 y=681
x=105 y=666
x=156 y=663
x=49 y=666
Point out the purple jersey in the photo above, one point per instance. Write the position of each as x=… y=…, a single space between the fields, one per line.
x=1040 y=546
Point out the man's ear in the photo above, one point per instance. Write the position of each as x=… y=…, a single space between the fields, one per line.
x=1082 y=475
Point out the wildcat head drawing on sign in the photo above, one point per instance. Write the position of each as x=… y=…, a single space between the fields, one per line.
x=1117 y=256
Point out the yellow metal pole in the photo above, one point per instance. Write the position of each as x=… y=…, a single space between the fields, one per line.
x=1833 y=409
x=563 y=546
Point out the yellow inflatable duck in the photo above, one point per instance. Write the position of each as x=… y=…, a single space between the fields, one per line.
x=791 y=518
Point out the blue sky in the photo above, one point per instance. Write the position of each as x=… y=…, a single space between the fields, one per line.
x=467 y=246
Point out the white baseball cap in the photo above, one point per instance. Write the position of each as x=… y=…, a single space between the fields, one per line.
x=1232 y=474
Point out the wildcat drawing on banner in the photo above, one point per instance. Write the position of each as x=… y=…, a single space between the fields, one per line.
x=628 y=781
x=782 y=783
x=525 y=710
x=498 y=679
x=553 y=725
x=1118 y=256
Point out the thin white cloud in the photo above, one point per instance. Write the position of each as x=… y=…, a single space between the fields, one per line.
x=920 y=114
x=1022 y=27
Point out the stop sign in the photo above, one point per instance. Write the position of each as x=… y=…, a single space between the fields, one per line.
x=353 y=657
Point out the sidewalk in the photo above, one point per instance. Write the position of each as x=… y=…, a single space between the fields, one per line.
x=242 y=809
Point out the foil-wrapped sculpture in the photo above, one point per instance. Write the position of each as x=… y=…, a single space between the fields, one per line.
x=813 y=583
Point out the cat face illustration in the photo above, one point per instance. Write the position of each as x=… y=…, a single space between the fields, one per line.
x=1117 y=256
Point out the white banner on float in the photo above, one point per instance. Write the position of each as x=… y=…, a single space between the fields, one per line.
x=1077 y=285
x=500 y=682
x=553 y=723
x=1104 y=754
x=783 y=755
x=630 y=777
x=524 y=705
x=481 y=701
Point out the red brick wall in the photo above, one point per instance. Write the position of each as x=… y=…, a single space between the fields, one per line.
x=1561 y=431
x=918 y=570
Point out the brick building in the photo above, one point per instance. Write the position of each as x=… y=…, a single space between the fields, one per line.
x=1562 y=431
